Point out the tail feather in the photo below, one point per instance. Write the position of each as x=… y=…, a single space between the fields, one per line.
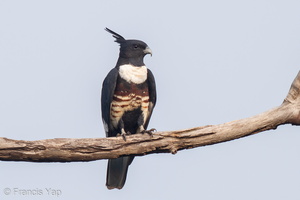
x=117 y=171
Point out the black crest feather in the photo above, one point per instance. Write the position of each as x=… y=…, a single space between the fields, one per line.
x=119 y=38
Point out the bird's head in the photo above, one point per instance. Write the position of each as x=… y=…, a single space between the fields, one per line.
x=131 y=50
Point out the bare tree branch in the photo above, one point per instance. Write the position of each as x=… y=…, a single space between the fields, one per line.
x=70 y=150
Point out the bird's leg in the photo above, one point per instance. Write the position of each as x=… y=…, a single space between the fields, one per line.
x=142 y=129
x=123 y=132
x=149 y=132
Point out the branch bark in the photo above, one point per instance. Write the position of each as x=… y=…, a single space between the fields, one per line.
x=70 y=150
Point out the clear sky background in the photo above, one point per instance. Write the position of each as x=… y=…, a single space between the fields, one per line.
x=214 y=61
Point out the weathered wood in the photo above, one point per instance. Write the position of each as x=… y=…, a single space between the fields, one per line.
x=70 y=150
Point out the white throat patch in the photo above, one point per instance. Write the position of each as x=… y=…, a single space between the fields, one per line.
x=133 y=74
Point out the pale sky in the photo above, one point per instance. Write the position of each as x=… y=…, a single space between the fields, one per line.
x=214 y=62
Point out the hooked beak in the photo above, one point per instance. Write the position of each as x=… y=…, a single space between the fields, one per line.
x=148 y=51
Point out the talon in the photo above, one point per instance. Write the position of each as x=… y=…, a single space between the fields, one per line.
x=153 y=130
x=123 y=136
x=149 y=132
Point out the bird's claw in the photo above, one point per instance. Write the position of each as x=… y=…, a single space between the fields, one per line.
x=149 y=132
x=123 y=134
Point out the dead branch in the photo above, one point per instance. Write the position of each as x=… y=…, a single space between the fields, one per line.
x=70 y=150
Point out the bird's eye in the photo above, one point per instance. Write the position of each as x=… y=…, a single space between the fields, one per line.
x=135 y=46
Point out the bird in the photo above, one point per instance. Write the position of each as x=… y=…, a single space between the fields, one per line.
x=128 y=98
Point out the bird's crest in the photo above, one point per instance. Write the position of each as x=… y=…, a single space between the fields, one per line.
x=119 y=38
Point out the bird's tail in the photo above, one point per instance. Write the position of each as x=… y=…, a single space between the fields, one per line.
x=117 y=171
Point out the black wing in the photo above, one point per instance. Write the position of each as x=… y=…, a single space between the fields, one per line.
x=152 y=96
x=108 y=88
